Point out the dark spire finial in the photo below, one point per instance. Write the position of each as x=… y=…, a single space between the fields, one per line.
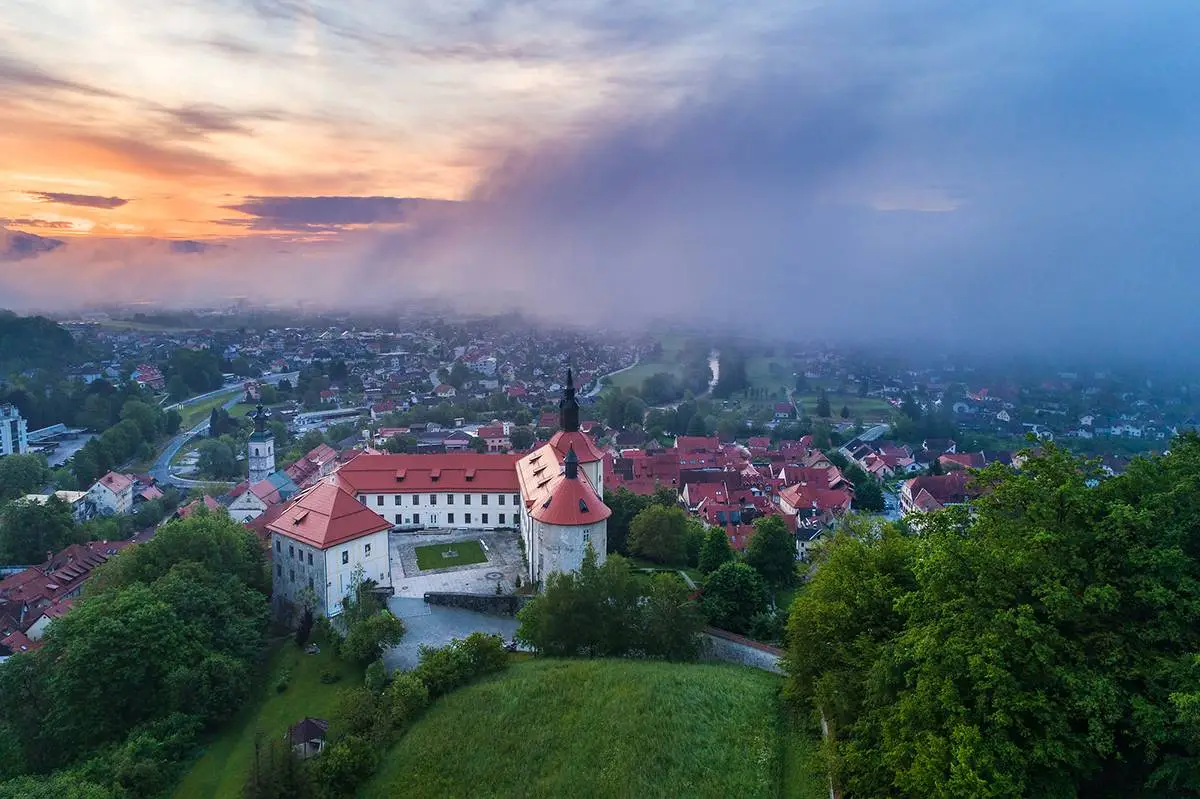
x=260 y=419
x=571 y=464
x=568 y=407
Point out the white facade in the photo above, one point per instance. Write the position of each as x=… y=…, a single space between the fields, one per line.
x=555 y=548
x=246 y=507
x=446 y=509
x=109 y=502
x=260 y=453
x=14 y=433
x=297 y=566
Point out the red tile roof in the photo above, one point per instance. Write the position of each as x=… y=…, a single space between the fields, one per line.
x=403 y=474
x=116 y=482
x=18 y=642
x=551 y=497
x=327 y=515
x=585 y=450
x=569 y=503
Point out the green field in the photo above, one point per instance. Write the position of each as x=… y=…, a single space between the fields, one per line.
x=672 y=347
x=868 y=408
x=605 y=728
x=223 y=768
x=197 y=413
x=465 y=553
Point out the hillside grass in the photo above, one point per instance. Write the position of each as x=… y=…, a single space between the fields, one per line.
x=222 y=770
x=466 y=553
x=605 y=728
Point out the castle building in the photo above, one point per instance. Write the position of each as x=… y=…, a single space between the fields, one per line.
x=260 y=451
x=550 y=497
x=318 y=543
x=561 y=507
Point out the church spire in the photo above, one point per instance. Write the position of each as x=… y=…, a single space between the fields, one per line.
x=568 y=408
x=260 y=419
x=571 y=464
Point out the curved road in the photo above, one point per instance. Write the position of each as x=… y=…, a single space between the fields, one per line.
x=161 y=470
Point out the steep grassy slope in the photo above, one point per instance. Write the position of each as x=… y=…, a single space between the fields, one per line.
x=604 y=728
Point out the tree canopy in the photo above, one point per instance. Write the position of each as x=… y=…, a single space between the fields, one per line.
x=604 y=611
x=1042 y=644
x=163 y=643
x=772 y=551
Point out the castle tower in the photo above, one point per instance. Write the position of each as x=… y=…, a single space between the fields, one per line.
x=261 y=450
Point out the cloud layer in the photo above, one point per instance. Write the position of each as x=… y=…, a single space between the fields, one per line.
x=1004 y=176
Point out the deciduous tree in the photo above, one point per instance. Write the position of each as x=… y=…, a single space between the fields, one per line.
x=772 y=551
x=733 y=594
x=660 y=534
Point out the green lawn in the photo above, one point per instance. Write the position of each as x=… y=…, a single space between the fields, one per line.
x=465 y=553
x=197 y=413
x=222 y=770
x=605 y=728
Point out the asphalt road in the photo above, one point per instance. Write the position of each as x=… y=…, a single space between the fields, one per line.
x=161 y=470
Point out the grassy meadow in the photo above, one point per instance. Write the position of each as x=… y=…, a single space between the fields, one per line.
x=605 y=728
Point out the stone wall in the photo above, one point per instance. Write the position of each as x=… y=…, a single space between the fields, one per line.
x=493 y=604
x=729 y=648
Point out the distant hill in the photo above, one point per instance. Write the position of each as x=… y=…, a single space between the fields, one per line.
x=605 y=728
x=32 y=342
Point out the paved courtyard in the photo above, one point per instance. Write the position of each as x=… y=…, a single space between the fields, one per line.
x=504 y=564
x=434 y=625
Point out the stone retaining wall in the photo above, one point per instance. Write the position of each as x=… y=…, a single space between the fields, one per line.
x=729 y=648
x=493 y=604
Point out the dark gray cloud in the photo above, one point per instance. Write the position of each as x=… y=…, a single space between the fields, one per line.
x=17 y=246
x=48 y=224
x=201 y=120
x=1007 y=176
x=322 y=213
x=84 y=200
x=25 y=79
x=189 y=247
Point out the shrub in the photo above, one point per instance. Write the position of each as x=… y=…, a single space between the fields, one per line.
x=405 y=698
x=358 y=713
x=329 y=677
x=343 y=766
x=443 y=669
x=767 y=626
x=376 y=677
x=485 y=652
x=369 y=636
x=446 y=668
x=281 y=684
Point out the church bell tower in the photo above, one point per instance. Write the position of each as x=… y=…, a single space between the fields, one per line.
x=260 y=452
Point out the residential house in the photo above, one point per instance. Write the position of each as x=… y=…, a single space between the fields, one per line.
x=80 y=502
x=252 y=500
x=929 y=493
x=495 y=437
x=112 y=494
